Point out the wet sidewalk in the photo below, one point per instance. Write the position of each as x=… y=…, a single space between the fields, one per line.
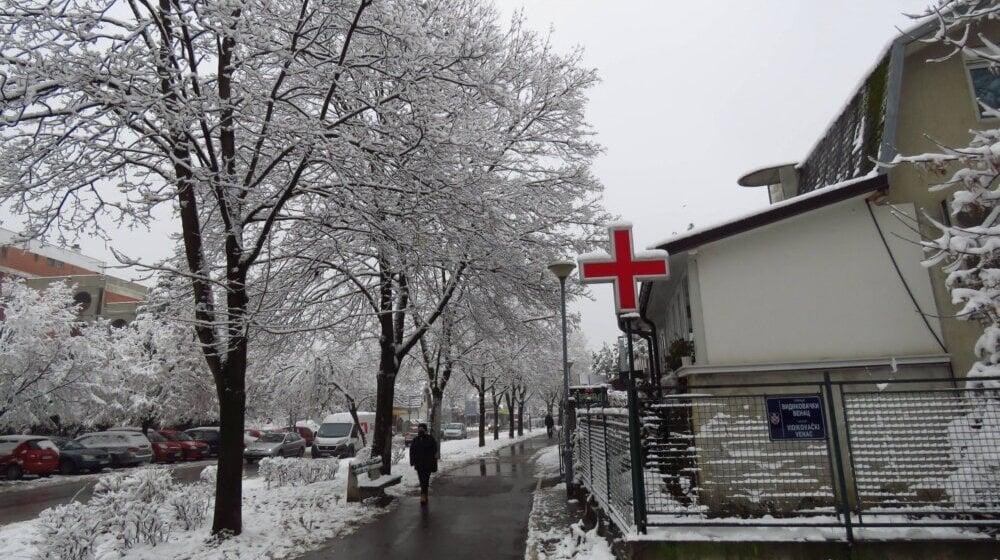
x=476 y=511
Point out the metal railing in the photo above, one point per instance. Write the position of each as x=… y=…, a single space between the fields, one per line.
x=873 y=453
x=601 y=459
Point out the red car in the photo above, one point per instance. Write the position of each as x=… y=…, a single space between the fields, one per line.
x=164 y=450
x=193 y=450
x=20 y=455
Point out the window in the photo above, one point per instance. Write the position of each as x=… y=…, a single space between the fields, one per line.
x=3 y=251
x=984 y=83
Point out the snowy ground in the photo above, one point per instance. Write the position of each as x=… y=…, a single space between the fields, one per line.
x=554 y=531
x=277 y=523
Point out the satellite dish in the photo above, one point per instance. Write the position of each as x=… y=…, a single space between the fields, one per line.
x=763 y=177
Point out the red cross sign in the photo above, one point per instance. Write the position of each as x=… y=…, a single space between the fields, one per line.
x=623 y=268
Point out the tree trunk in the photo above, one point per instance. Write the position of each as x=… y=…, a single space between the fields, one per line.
x=384 y=393
x=496 y=414
x=229 y=481
x=510 y=414
x=481 y=391
x=437 y=395
x=520 y=418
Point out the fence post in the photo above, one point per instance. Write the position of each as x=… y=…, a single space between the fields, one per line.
x=838 y=458
x=607 y=461
x=590 y=451
x=635 y=443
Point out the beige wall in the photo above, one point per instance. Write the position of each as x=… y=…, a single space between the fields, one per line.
x=936 y=101
x=818 y=286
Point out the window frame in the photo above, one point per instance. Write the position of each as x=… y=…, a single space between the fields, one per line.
x=972 y=62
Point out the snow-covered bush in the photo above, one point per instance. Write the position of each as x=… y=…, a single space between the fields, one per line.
x=189 y=508
x=398 y=453
x=136 y=507
x=283 y=471
x=68 y=532
x=131 y=505
x=208 y=475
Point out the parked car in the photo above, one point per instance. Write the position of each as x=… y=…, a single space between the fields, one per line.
x=74 y=457
x=127 y=448
x=164 y=450
x=411 y=432
x=275 y=444
x=455 y=430
x=338 y=436
x=251 y=435
x=193 y=450
x=305 y=433
x=20 y=455
x=208 y=435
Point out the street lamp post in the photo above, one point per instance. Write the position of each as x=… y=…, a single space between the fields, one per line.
x=562 y=270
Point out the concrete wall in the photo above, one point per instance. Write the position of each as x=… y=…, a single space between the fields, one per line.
x=819 y=286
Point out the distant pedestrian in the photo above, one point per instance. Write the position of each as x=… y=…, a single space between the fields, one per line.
x=423 y=458
x=549 y=423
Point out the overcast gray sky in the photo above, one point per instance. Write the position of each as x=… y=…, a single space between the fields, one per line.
x=694 y=94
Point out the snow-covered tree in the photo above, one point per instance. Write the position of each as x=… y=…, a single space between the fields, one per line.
x=970 y=252
x=152 y=372
x=389 y=123
x=604 y=364
x=46 y=358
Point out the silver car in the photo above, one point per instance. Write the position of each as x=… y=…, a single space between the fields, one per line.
x=275 y=444
x=455 y=430
x=126 y=448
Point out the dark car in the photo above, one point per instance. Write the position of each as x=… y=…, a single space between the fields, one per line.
x=20 y=455
x=74 y=457
x=210 y=436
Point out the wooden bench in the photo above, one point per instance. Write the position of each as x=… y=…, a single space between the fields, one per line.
x=360 y=487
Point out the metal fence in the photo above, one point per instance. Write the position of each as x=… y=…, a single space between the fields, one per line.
x=871 y=453
x=601 y=457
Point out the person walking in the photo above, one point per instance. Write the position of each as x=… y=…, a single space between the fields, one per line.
x=423 y=458
x=549 y=423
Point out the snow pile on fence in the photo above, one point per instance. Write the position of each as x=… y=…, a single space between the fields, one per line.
x=282 y=471
x=140 y=507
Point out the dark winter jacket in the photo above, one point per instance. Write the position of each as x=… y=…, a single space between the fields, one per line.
x=549 y=422
x=423 y=453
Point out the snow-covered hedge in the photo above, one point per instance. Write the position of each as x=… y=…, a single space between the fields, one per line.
x=141 y=506
x=282 y=471
x=68 y=532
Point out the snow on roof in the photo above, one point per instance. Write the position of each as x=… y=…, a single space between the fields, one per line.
x=20 y=438
x=773 y=207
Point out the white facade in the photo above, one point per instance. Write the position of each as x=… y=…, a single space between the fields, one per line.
x=818 y=286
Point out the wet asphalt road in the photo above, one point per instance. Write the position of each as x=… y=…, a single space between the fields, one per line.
x=477 y=511
x=21 y=504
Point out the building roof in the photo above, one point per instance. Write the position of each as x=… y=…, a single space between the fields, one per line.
x=774 y=213
x=44 y=249
x=863 y=130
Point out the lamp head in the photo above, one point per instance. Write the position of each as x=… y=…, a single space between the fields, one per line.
x=562 y=269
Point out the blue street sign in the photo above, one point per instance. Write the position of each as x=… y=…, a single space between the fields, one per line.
x=796 y=417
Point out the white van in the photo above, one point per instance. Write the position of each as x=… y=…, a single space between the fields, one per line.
x=338 y=437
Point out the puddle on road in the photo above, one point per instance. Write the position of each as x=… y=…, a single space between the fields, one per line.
x=489 y=466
